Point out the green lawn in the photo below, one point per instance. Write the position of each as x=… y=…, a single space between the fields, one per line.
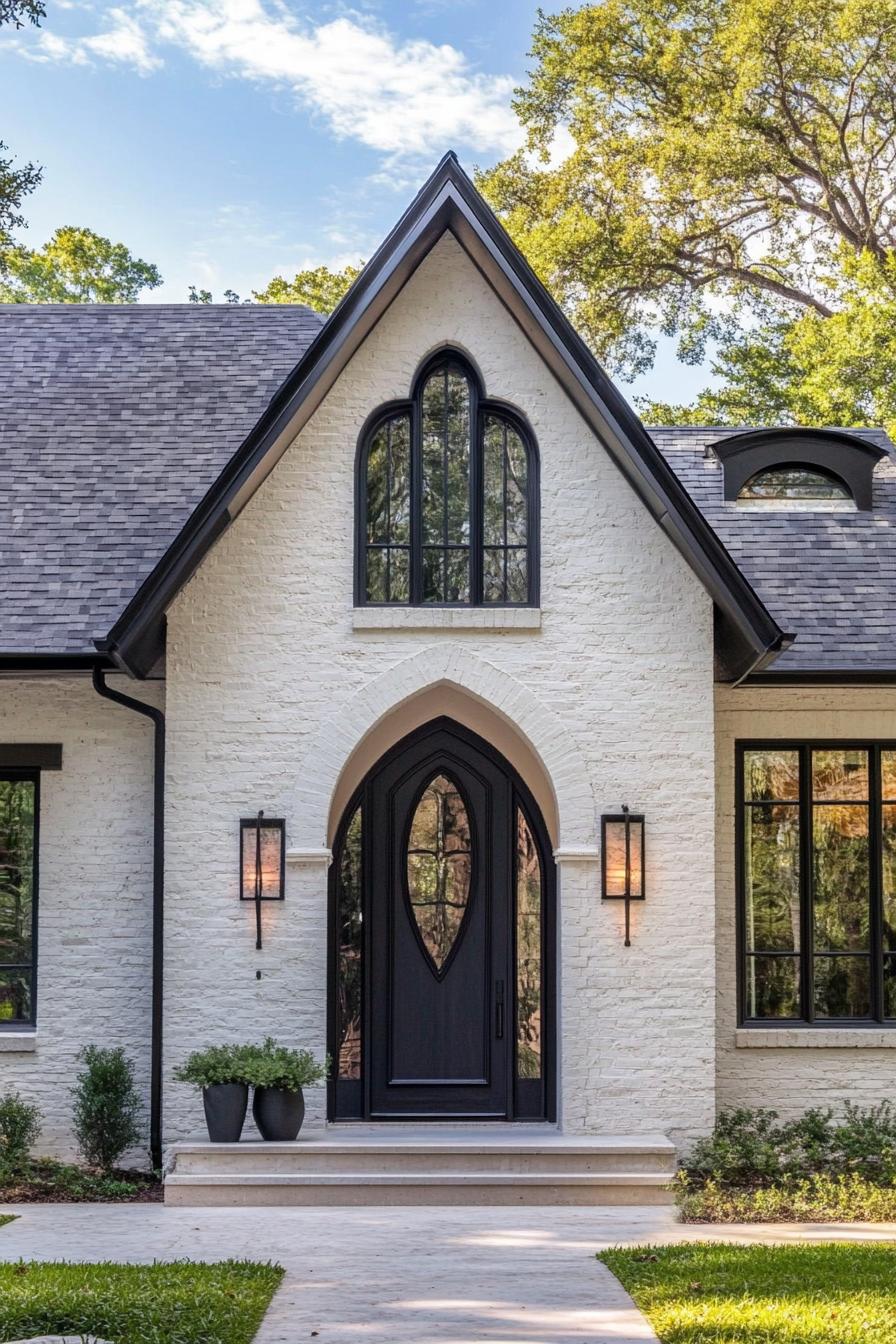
x=179 y=1303
x=703 y=1293
x=7 y=1218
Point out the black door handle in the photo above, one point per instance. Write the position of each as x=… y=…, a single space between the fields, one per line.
x=499 y=1009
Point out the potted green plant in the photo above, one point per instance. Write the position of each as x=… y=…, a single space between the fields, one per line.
x=278 y=1075
x=221 y=1072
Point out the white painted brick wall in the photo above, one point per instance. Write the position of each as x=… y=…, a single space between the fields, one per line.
x=264 y=668
x=95 y=899
x=788 y=1079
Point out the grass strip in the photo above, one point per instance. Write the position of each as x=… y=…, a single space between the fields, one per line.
x=716 y=1293
x=182 y=1302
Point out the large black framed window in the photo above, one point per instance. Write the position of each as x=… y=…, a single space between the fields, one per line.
x=816 y=855
x=447 y=503
x=19 y=807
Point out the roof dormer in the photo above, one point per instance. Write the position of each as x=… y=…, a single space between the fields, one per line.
x=798 y=468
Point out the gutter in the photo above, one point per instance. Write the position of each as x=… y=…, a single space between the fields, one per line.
x=158 y=903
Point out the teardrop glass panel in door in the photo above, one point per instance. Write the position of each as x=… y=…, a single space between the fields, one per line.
x=438 y=868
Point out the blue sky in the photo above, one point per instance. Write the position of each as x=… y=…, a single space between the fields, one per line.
x=232 y=140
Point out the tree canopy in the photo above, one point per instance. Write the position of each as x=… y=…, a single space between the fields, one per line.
x=75 y=266
x=733 y=175
x=16 y=182
x=319 y=288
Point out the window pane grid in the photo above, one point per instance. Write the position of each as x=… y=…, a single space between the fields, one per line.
x=836 y=963
x=447 y=501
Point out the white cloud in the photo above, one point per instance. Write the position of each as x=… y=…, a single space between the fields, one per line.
x=402 y=98
x=124 y=42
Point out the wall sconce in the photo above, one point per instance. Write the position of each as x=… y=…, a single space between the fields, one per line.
x=622 y=860
x=262 y=863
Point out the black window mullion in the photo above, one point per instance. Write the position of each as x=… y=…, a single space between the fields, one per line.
x=875 y=869
x=415 y=587
x=807 y=887
x=477 y=499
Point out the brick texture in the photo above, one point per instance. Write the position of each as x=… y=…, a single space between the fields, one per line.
x=267 y=679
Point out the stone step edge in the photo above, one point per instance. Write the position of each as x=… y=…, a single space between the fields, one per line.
x=610 y=1178
x=446 y=1147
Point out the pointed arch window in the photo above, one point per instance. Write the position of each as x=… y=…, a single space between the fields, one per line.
x=447 y=498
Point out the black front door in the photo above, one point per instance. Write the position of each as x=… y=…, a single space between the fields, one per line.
x=440 y=935
x=442 y=939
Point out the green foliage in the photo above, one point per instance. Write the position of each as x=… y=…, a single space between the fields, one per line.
x=75 y=266
x=205 y=296
x=701 y=1293
x=749 y=1147
x=820 y=1198
x=20 y=1126
x=273 y=1065
x=7 y=1218
x=15 y=184
x=107 y=1106
x=266 y=1065
x=46 y=1181
x=319 y=288
x=21 y=11
x=818 y=1167
x=215 y=1064
x=732 y=177
x=179 y=1303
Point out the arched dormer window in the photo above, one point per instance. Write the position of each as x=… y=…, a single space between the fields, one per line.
x=796 y=482
x=799 y=468
x=447 y=497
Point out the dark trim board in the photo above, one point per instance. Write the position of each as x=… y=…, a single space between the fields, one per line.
x=30 y=756
x=449 y=202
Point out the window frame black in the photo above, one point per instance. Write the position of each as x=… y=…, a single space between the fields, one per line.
x=16 y=774
x=480 y=407
x=808 y=1021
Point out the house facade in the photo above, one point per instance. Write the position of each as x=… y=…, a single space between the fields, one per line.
x=417 y=586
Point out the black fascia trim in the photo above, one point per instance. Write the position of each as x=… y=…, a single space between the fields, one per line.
x=30 y=755
x=822 y=676
x=448 y=201
x=844 y=456
x=53 y=662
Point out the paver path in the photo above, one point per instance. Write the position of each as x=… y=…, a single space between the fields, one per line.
x=407 y=1275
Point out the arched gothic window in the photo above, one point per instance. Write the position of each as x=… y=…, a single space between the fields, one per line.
x=448 y=498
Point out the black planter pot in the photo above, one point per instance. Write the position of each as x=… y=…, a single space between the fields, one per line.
x=225 y=1110
x=278 y=1114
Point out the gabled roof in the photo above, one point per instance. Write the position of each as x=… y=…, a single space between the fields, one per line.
x=828 y=575
x=114 y=421
x=448 y=201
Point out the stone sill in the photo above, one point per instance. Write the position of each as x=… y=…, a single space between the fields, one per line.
x=815 y=1038
x=20 y=1042
x=446 y=618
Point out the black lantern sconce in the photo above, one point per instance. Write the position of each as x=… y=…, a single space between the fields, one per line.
x=622 y=861
x=262 y=863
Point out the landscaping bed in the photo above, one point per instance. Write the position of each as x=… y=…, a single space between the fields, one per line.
x=44 y=1181
x=178 y=1303
x=702 y=1293
x=821 y=1167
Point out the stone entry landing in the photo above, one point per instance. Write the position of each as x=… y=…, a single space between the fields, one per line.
x=417 y=1165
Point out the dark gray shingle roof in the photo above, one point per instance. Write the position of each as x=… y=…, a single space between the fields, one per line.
x=114 y=421
x=827 y=577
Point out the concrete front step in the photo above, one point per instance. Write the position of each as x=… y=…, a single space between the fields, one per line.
x=450 y=1167
x=361 y=1188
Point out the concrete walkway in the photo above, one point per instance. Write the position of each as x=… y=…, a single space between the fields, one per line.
x=406 y=1275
